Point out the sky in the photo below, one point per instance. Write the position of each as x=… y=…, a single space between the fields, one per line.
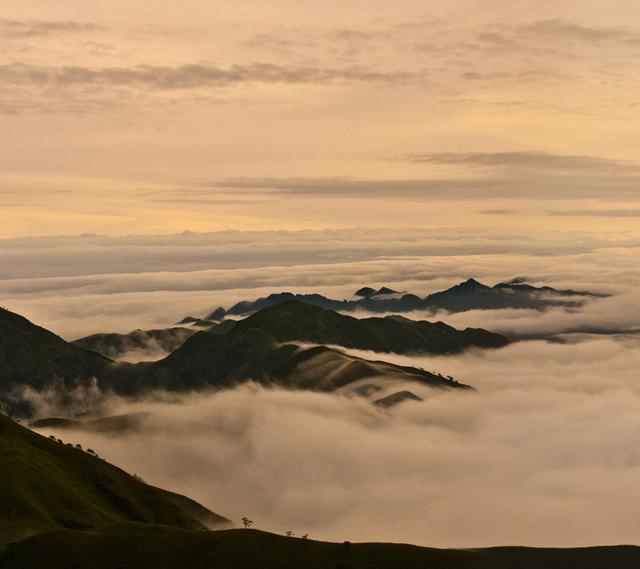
x=134 y=118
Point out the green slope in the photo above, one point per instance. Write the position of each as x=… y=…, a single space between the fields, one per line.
x=30 y=354
x=207 y=360
x=296 y=321
x=258 y=348
x=133 y=546
x=116 y=345
x=45 y=485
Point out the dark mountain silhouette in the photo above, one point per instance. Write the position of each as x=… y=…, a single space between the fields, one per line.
x=133 y=546
x=365 y=292
x=217 y=315
x=468 y=295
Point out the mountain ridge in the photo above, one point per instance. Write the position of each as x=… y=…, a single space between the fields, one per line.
x=468 y=295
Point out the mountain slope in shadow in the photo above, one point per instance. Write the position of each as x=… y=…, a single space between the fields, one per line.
x=46 y=484
x=132 y=546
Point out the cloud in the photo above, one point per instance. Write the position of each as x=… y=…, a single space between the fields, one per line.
x=535 y=175
x=32 y=28
x=541 y=450
x=567 y=31
x=527 y=160
x=432 y=187
x=79 y=89
x=190 y=76
x=553 y=178
x=594 y=212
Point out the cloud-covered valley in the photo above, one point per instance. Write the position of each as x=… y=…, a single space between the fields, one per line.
x=544 y=453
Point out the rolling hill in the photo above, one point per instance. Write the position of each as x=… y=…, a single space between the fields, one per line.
x=208 y=360
x=115 y=346
x=291 y=321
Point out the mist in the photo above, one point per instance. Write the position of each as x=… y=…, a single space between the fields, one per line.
x=544 y=453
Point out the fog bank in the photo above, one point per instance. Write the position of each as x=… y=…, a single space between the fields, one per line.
x=545 y=453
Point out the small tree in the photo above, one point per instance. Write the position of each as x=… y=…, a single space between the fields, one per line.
x=246 y=522
x=289 y=533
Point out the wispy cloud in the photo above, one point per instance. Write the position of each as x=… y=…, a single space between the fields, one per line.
x=191 y=76
x=567 y=31
x=32 y=28
x=529 y=174
x=594 y=213
x=529 y=160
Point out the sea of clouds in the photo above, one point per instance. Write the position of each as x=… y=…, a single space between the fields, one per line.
x=545 y=451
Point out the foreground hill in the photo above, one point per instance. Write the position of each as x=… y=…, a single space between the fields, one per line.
x=45 y=484
x=132 y=546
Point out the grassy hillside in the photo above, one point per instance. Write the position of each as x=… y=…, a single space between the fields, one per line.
x=296 y=321
x=256 y=348
x=115 y=345
x=45 y=485
x=207 y=360
x=29 y=353
x=133 y=546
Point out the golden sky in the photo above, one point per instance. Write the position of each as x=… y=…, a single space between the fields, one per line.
x=139 y=117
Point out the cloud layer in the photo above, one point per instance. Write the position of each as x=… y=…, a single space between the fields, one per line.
x=82 y=285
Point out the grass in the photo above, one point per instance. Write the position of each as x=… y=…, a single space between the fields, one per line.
x=47 y=485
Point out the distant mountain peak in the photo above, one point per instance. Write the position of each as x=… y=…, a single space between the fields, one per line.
x=385 y=290
x=473 y=284
x=365 y=292
x=218 y=314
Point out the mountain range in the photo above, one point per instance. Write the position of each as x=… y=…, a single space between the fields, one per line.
x=468 y=295
x=270 y=347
